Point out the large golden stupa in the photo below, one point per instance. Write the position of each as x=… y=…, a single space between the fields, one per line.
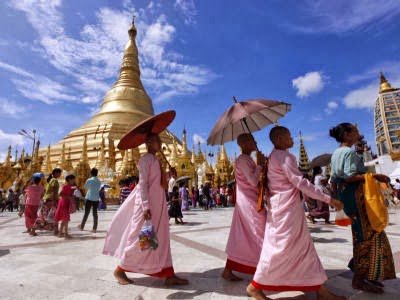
x=124 y=105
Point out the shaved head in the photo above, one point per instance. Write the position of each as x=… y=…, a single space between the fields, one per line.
x=244 y=138
x=276 y=132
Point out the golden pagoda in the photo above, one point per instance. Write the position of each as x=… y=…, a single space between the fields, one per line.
x=184 y=165
x=304 y=163
x=223 y=167
x=123 y=106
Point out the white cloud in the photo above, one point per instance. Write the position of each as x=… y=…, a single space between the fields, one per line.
x=11 y=108
x=38 y=87
x=188 y=9
x=11 y=139
x=342 y=16
x=331 y=107
x=198 y=138
x=308 y=84
x=93 y=59
x=363 y=97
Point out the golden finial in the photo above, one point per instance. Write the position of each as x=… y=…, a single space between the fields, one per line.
x=384 y=85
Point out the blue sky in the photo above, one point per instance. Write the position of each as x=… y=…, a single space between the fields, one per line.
x=58 y=58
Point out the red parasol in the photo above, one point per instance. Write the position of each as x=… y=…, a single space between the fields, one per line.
x=152 y=125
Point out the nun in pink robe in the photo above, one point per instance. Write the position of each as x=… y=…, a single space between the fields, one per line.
x=247 y=230
x=122 y=236
x=288 y=258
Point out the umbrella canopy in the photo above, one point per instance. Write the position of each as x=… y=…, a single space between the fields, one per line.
x=152 y=125
x=321 y=160
x=246 y=117
x=183 y=178
x=38 y=174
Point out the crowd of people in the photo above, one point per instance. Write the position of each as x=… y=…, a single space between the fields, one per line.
x=47 y=207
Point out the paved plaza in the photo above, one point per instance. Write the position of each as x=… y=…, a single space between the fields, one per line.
x=46 y=267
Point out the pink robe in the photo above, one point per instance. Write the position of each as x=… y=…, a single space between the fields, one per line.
x=248 y=226
x=288 y=258
x=122 y=236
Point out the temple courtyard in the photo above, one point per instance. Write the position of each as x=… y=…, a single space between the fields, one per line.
x=47 y=267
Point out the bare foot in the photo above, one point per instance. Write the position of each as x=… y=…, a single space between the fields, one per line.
x=80 y=227
x=60 y=235
x=121 y=277
x=94 y=231
x=325 y=294
x=67 y=236
x=175 y=280
x=228 y=275
x=255 y=293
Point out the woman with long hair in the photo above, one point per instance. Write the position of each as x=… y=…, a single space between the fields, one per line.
x=373 y=260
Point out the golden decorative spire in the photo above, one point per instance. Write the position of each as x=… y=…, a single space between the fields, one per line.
x=193 y=160
x=174 y=154
x=101 y=161
x=16 y=155
x=68 y=163
x=185 y=151
x=127 y=98
x=304 y=163
x=7 y=162
x=84 y=156
x=111 y=154
x=46 y=167
x=22 y=158
x=385 y=85
x=223 y=154
x=61 y=161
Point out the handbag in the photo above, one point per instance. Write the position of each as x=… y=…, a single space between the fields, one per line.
x=375 y=205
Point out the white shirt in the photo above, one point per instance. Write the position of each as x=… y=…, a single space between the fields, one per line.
x=171 y=184
x=397 y=186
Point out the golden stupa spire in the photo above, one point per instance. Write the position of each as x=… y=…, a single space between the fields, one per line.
x=68 y=162
x=185 y=151
x=46 y=167
x=223 y=154
x=304 y=163
x=101 y=161
x=127 y=101
x=22 y=158
x=7 y=162
x=16 y=155
x=193 y=160
x=384 y=85
x=61 y=161
x=111 y=154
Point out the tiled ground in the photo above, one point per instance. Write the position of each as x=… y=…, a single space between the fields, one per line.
x=45 y=267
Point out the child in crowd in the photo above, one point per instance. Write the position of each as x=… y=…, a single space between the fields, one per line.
x=63 y=209
x=34 y=194
x=174 y=210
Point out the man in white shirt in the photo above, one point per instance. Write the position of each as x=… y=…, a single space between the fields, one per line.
x=171 y=182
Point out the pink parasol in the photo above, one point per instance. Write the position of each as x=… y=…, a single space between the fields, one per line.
x=246 y=117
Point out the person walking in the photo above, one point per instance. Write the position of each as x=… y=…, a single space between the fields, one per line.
x=77 y=197
x=34 y=194
x=373 y=258
x=288 y=260
x=92 y=187
x=146 y=202
x=248 y=225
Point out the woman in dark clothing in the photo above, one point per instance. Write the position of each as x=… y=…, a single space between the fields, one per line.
x=174 y=210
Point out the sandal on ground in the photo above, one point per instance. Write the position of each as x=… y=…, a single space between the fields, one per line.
x=311 y=219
